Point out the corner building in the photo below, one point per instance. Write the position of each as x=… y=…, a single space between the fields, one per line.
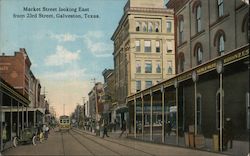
x=144 y=53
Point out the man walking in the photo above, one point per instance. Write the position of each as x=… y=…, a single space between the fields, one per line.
x=105 y=130
x=123 y=128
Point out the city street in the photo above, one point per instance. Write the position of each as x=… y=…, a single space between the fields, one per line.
x=81 y=143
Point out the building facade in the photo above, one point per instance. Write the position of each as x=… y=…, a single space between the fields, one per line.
x=203 y=32
x=206 y=105
x=144 y=53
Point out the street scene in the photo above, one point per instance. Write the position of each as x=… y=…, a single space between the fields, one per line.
x=124 y=77
x=77 y=142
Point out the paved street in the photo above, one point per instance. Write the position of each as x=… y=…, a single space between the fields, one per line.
x=79 y=143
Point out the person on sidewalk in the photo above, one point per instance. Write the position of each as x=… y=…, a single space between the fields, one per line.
x=105 y=130
x=123 y=128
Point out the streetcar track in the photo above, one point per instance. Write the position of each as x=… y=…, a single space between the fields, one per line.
x=96 y=143
x=63 y=144
x=81 y=133
x=88 y=149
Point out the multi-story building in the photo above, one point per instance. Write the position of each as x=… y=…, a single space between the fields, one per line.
x=109 y=94
x=206 y=105
x=144 y=51
x=15 y=70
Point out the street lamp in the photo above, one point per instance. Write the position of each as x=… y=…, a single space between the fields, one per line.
x=220 y=69
x=177 y=105
x=195 y=79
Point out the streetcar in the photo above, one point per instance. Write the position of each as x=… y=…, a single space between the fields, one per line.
x=64 y=123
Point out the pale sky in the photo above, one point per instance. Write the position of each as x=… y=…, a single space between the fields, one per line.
x=66 y=53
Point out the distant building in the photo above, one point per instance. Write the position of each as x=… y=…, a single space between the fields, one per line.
x=109 y=94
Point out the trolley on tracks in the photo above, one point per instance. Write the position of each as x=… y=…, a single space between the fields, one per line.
x=64 y=123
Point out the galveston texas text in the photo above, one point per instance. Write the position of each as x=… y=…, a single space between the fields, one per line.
x=58 y=12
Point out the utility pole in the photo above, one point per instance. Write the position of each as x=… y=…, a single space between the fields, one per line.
x=96 y=105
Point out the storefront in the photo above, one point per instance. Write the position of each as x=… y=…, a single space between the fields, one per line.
x=205 y=107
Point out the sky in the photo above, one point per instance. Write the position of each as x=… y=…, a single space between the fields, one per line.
x=66 y=53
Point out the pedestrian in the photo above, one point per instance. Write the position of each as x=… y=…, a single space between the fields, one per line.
x=123 y=128
x=228 y=134
x=46 y=132
x=115 y=125
x=105 y=130
x=168 y=128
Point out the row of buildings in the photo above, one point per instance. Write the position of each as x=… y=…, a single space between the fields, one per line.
x=181 y=74
x=22 y=101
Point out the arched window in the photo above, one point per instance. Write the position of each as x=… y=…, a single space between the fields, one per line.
x=245 y=26
x=150 y=27
x=220 y=6
x=198 y=53
x=144 y=27
x=156 y=27
x=221 y=45
x=220 y=39
x=198 y=18
x=138 y=25
x=181 y=32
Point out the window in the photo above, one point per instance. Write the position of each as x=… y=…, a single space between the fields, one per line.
x=144 y=27
x=137 y=46
x=158 y=67
x=138 y=66
x=170 y=46
x=148 y=84
x=199 y=55
x=150 y=27
x=181 y=32
x=221 y=47
x=169 y=67
x=138 y=25
x=198 y=18
x=148 y=67
x=138 y=85
x=220 y=6
x=198 y=112
x=147 y=46
x=169 y=26
x=157 y=46
x=156 y=27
